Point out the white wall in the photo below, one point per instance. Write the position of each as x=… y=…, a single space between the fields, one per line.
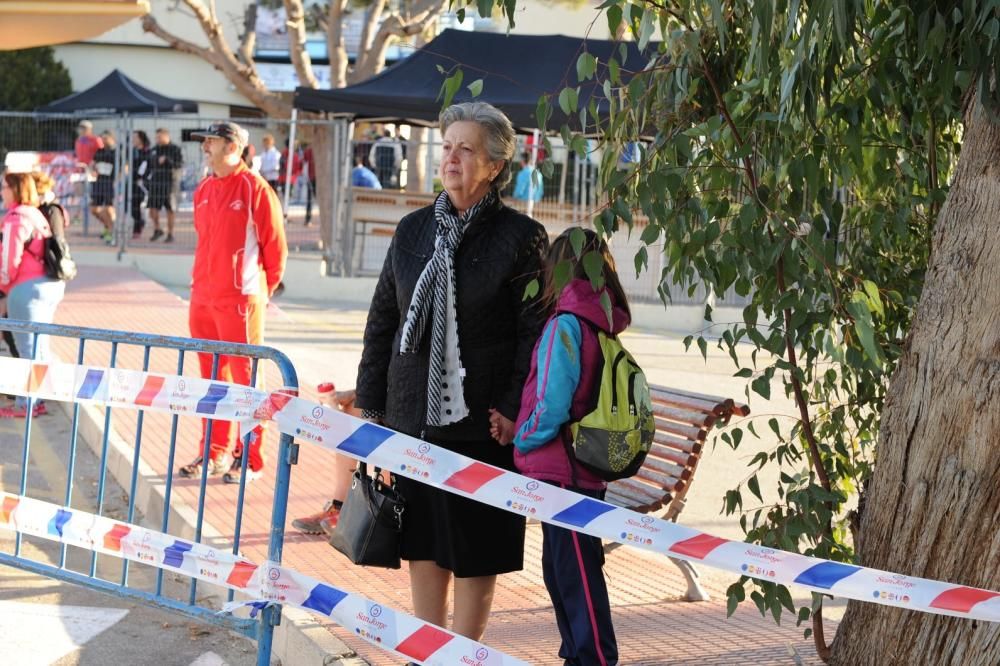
x=537 y=17
x=158 y=68
x=175 y=18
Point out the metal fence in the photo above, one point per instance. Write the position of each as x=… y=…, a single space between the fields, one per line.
x=46 y=142
x=116 y=349
x=359 y=235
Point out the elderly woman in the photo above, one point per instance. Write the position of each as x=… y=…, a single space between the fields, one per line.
x=30 y=294
x=446 y=352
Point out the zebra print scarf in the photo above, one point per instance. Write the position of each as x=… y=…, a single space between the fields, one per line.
x=434 y=299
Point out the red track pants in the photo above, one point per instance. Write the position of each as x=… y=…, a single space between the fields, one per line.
x=229 y=323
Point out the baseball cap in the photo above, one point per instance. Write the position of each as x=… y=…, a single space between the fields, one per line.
x=85 y=124
x=229 y=131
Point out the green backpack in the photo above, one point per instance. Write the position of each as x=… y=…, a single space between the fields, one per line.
x=613 y=439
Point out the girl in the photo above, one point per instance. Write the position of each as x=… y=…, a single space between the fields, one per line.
x=565 y=366
x=31 y=295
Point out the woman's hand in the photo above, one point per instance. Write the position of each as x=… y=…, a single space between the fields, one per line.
x=501 y=428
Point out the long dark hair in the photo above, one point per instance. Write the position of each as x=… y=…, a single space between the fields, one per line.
x=562 y=250
x=143 y=139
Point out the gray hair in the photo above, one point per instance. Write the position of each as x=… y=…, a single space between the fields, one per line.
x=500 y=138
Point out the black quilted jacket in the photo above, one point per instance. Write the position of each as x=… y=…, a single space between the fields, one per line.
x=501 y=252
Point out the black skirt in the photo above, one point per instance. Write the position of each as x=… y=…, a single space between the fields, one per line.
x=461 y=535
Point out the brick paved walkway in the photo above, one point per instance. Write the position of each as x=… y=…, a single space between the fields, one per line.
x=654 y=626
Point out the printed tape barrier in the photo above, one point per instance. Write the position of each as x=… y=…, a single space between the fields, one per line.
x=271 y=583
x=438 y=467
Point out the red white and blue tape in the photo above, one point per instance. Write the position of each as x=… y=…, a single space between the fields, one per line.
x=438 y=467
x=385 y=627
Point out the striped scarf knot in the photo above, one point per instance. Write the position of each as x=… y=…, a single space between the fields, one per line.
x=434 y=300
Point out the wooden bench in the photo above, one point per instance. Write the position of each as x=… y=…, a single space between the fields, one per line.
x=683 y=422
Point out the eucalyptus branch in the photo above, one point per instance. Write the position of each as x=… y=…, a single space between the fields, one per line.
x=800 y=399
x=296 y=24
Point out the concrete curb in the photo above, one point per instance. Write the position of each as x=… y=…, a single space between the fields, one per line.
x=300 y=639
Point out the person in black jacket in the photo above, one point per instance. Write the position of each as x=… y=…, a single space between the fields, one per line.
x=166 y=161
x=140 y=172
x=447 y=350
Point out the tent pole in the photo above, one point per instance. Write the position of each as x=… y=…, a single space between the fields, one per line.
x=429 y=167
x=125 y=145
x=577 y=195
x=288 y=162
x=346 y=209
x=562 y=177
x=333 y=243
x=531 y=165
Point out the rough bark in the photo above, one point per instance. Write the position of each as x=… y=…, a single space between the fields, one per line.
x=321 y=141
x=416 y=159
x=242 y=75
x=934 y=502
x=296 y=24
x=423 y=14
x=335 y=43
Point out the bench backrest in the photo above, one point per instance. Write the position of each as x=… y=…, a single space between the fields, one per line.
x=683 y=421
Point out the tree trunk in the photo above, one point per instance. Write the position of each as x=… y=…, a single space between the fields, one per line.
x=416 y=159
x=934 y=503
x=322 y=147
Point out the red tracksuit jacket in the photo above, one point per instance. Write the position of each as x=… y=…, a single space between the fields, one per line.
x=241 y=250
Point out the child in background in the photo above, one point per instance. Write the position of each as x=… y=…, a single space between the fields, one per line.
x=565 y=370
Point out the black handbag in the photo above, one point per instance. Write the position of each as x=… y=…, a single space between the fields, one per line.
x=370 y=525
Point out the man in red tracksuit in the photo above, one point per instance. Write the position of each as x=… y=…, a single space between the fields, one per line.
x=239 y=260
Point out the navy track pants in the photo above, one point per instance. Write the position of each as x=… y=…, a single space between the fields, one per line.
x=572 y=566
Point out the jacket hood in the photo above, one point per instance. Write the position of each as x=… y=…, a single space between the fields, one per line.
x=580 y=299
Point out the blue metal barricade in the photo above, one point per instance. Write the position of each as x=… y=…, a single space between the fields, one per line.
x=87 y=339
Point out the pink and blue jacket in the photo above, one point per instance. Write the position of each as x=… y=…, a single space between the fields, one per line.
x=23 y=228
x=565 y=367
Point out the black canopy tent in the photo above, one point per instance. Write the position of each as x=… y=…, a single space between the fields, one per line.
x=117 y=94
x=516 y=70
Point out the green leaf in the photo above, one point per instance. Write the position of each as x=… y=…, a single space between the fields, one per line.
x=874 y=300
x=593 y=266
x=531 y=290
x=614 y=72
x=719 y=23
x=476 y=87
x=543 y=112
x=753 y=485
x=762 y=387
x=785 y=598
x=864 y=327
x=606 y=306
x=586 y=67
x=561 y=274
x=568 y=100
x=646 y=27
x=576 y=241
x=641 y=261
x=614 y=17
x=451 y=86
x=731 y=604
